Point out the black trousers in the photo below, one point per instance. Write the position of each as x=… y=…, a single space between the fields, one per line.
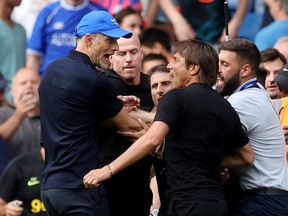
x=75 y=202
x=199 y=207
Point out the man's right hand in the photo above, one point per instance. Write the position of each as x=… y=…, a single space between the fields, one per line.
x=24 y=103
x=14 y=208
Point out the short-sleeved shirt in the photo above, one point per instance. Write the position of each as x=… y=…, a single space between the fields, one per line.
x=74 y=99
x=21 y=180
x=52 y=35
x=27 y=136
x=203 y=126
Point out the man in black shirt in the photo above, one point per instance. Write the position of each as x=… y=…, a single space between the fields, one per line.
x=130 y=187
x=203 y=134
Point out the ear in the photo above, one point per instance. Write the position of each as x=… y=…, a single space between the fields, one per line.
x=142 y=53
x=246 y=70
x=111 y=59
x=88 y=40
x=194 y=69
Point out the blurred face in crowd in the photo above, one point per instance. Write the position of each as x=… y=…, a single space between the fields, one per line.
x=133 y=23
x=24 y=87
x=160 y=83
x=100 y=48
x=229 y=73
x=282 y=47
x=151 y=63
x=126 y=62
x=272 y=68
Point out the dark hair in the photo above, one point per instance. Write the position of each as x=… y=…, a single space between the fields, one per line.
x=151 y=35
x=158 y=68
x=246 y=51
x=271 y=54
x=125 y=12
x=202 y=54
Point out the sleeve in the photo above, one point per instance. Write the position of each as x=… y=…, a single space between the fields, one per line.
x=105 y=93
x=169 y=109
x=9 y=178
x=36 y=43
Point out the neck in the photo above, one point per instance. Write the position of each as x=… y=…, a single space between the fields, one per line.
x=244 y=80
x=192 y=79
x=5 y=13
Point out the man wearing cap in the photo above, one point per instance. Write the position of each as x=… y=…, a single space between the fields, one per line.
x=75 y=98
x=282 y=82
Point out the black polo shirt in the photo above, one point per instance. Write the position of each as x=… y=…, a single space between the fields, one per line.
x=74 y=98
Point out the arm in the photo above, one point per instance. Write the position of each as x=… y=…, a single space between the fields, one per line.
x=10 y=208
x=33 y=61
x=147 y=117
x=123 y=121
x=240 y=157
x=156 y=203
x=133 y=136
x=182 y=28
x=23 y=105
x=151 y=12
x=138 y=150
x=236 y=21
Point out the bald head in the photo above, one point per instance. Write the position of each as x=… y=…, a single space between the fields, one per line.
x=134 y=40
x=25 y=82
x=25 y=72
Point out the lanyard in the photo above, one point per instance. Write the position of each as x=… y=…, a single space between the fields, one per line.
x=250 y=83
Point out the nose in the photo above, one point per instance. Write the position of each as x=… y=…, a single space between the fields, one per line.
x=170 y=64
x=128 y=57
x=270 y=77
x=159 y=90
x=137 y=30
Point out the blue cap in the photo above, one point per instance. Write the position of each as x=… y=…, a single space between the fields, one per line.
x=100 y=22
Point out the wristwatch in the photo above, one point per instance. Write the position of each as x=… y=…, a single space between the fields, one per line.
x=154 y=212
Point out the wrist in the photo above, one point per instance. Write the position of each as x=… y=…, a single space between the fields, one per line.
x=110 y=170
x=154 y=212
